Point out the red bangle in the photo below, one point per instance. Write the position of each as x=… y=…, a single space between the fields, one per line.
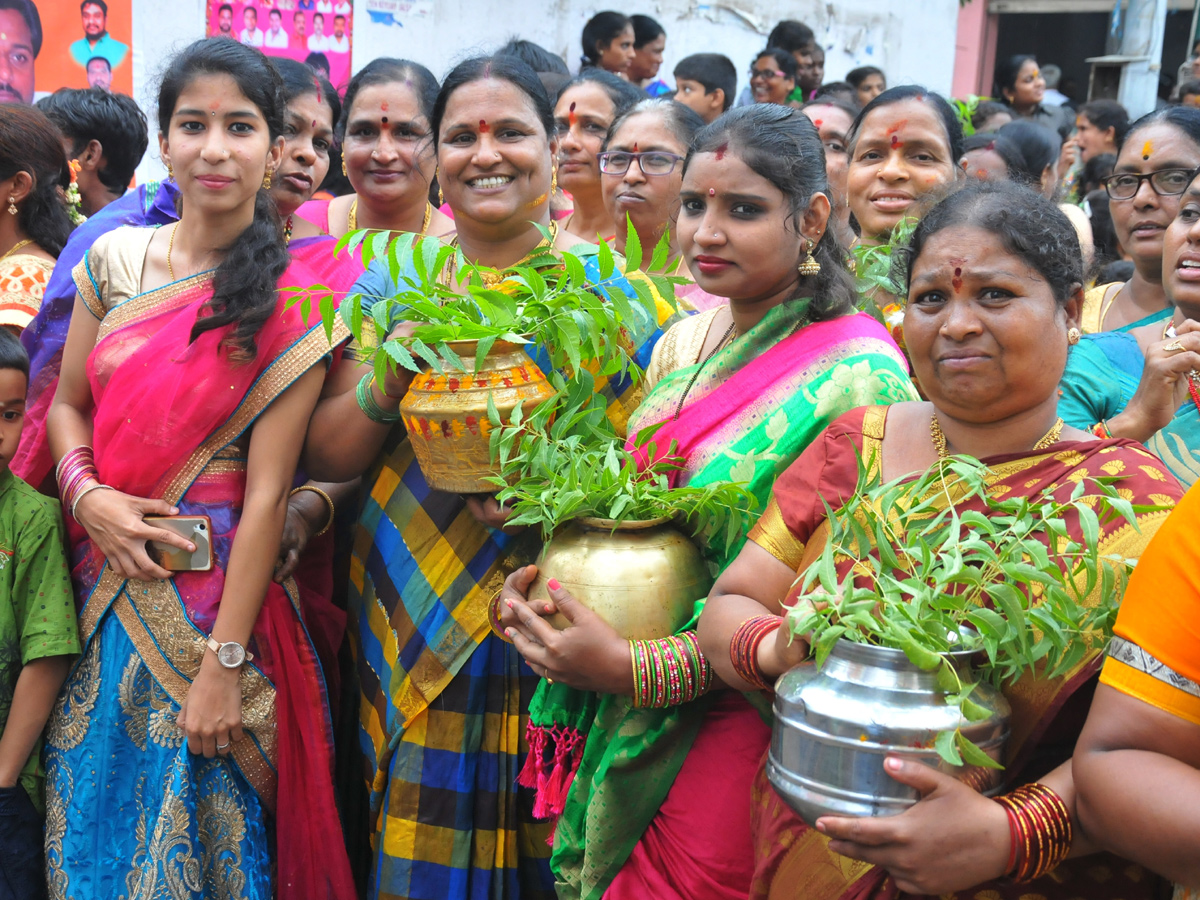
x=743 y=649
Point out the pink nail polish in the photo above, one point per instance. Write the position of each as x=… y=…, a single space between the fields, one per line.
x=549 y=608
x=554 y=585
x=508 y=603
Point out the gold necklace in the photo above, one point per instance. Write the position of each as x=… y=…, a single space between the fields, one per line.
x=17 y=246
x=491 y=279
x=352 y=218
x=692 y=381
x=170 y=247
x=939 y=439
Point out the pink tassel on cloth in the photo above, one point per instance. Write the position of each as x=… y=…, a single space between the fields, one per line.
x=552 y=777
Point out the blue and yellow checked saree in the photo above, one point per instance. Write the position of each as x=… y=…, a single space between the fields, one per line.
x=443 y=701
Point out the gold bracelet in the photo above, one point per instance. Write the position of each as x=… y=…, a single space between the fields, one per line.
x=324 y=496
x=494 y=617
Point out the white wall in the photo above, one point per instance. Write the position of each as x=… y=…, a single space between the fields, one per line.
x=911 y=42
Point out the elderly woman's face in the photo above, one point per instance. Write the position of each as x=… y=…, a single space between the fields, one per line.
x=987 y=339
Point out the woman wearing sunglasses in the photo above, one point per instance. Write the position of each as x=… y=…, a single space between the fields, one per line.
x=1153 y=167
x=773 y=76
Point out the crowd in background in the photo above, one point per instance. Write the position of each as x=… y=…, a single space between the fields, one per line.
x=355 y=696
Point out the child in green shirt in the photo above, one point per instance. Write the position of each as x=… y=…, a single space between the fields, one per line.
x=38 y=637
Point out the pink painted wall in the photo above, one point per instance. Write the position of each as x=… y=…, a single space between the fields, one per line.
x=974 y=50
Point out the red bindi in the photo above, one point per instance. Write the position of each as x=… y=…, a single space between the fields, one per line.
x=383 y=107
x=572 y=119
x=712 y=192
x=895 y=142
x=956 y=281
x=635 y=150
x=484 y=128
x=818 y=122
x=721 y=151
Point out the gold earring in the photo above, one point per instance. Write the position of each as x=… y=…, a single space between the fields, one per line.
x=1073 y=336
x=809 y=265
x=267 y=181
x=554 y=181
x=170 y=171
x=441 y=196
x=12 y=206
x=344 y=172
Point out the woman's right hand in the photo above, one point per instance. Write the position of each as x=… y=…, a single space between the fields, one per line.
x=115 y=522
x=516 y=587
x=395 y=384
x=1163 y=387
x=1067 y=157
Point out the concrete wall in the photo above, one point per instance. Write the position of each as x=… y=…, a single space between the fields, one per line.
x=912 y=42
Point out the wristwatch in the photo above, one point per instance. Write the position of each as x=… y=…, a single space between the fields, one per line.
x=230 y=654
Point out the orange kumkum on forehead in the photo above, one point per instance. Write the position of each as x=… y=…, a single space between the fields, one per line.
x=1147 y=149
x=572 y=119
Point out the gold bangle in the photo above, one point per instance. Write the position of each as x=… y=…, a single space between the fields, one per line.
x=494 y=617
x=324 y=496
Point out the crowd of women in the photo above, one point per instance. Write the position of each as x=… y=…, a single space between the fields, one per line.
x=210 y=740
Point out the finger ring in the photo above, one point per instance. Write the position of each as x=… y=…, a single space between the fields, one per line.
x=1174 y=347
x=224 y=746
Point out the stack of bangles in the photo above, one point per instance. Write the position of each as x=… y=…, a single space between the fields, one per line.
x=1100 y=430
x=1040 y=825
x=669 y=671
x=77 y=477
x=328 y=502
x=743 y=649
x=366 y=402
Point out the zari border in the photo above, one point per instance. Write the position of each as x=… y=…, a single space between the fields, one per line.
x=154 y=301
x=772 y=534
x=172 y=648
x=86 y=288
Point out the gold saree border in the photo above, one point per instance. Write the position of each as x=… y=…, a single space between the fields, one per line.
x=149 y=608
x=1140 y=685
x=772 y=534
x=141 y=306
x=87 y=290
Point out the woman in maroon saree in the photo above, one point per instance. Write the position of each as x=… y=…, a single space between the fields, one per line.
x=191 y=383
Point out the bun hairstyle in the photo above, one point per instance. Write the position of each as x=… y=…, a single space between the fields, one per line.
x=502 y=68
x=29 y=142
x=1028 y=225
x=781 y=144
x=299 y=80
x=601 y=30
x=950 y=123
x=245 y=283
x=386 y=70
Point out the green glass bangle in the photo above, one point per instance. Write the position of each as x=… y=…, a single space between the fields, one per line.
x=371 y=409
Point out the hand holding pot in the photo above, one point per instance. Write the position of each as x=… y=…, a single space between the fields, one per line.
x=487 y=511
x=952 y=839
x=588 y=655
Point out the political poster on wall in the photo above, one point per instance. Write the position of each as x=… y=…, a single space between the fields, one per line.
x=316 y=32
x=49 y=44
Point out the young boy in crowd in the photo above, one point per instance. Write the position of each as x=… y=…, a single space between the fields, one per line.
x=706 y=82
x=38 y=637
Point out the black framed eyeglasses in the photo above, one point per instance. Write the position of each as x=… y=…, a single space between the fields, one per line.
x=1125 y=185
x=651 y=162
x=765 y=73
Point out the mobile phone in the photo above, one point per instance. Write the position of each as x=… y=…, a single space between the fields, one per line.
x=197 y=529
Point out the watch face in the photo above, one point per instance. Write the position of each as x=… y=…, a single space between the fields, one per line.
x=231 y=655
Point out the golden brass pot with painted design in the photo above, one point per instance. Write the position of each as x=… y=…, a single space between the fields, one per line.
x=643 y=578
x=447 y=414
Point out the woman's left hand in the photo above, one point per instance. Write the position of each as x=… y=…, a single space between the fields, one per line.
x=211 y=713
x=953 y=838
x=297 y=530
x=587 y=655
x=488 y=512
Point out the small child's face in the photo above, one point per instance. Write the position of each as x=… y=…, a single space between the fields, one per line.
x=13 y=385
x=692 y=94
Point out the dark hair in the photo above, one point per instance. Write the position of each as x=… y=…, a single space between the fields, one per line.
x=12 y=354
x=682 y=121
x=1117 y=270
x=29 y=12
x=316 y=60
x=985 y=110
x=535 y=56
x=1007 y=71
x=501 y=68
x=386 y=70
x=1096 y=169
x=245 y=283
x=1104 y=234
x=645 y=30
x=791 y=36
x=223 y=7
x=299 y=80
x=857 y=76
x=850 y=109
x=1185 y=118
x=115 y=120
x=781 y=144
x=786 y=62
x=276 y=12
x=1009 y=153
x=1029 y=226
x=622 y=93
x=602 y=28
x=1105 y=114
x=29 y=142
x=1189 y=87
x=838 y=90
x=252 y=9
x=103 y=59
x=713 y=71
x=100 y=3
x=950 y=123
x=1039 y=148
x=316 y=16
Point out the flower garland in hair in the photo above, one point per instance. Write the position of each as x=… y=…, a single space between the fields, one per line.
x=72 y=197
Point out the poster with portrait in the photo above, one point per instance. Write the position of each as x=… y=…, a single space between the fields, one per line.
x=50 y=44
x=316 y=32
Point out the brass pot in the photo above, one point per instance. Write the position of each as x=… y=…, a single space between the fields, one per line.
x=643 y=578
x=447 y=415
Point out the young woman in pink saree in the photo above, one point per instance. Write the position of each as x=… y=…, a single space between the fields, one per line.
x=186 y=388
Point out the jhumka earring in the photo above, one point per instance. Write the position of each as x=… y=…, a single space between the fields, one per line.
x=267 y=181
x=1073 y=336
x=809 y=265
x=554 y=181
x=344 y=172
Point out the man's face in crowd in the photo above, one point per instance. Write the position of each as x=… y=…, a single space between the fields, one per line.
x=16 y=58
x=99 y=75
x=94 y=21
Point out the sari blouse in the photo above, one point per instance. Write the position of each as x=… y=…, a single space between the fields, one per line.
x=22 y=285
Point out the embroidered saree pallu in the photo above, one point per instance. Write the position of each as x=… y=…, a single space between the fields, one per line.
x=793 y=860
x=622 y=778
x=131 y=811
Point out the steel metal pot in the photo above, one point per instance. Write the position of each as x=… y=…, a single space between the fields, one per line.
x=642 y=577
x=447 y=415
x=834 y=726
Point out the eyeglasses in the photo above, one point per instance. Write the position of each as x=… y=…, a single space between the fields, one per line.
x=652 y=162
x=1125 y=185
x=765 y=73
